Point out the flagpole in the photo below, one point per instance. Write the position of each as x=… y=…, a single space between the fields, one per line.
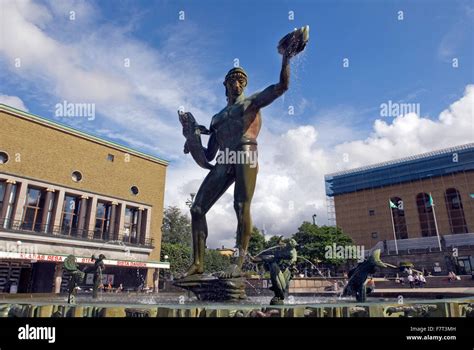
x=435 y=222
x=393 y=227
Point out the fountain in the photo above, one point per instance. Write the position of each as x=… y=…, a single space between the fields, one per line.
x=234 y=129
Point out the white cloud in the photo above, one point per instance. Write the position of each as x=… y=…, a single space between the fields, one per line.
x=88 y=66
x=13 y=101
x=290 y=186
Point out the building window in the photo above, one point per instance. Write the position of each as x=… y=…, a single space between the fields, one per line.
x=134 y=190
x=3 y=157
x=457 y=221
x=102 y=221
x=425 y=215
x=70 y=215
x=375 y=234
x=371 y=212
x=398 y=216
x=33 y=210
x=130 y=225
x=110 y=157
x=76 y=176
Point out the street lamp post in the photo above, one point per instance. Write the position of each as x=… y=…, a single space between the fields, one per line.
x=314 y=219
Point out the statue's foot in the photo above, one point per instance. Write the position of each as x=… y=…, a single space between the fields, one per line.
x=194 y=269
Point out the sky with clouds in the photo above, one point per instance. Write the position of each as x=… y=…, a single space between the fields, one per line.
x=139 y=61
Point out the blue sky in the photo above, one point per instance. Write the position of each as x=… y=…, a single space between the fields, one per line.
x=174 y=63
x=389 y=59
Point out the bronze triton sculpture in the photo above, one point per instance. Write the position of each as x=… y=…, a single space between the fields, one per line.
x=77 y=276
x=233 y=131
x=357 y=284
x=279 y=261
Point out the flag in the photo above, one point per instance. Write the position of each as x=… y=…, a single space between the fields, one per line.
x=391 y=205
x=431 y=203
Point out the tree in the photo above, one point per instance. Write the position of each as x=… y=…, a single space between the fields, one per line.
x=176 y=228
x=176 y=244
x=215 y=261
x=257 y=242
x=314 y=241
x=179 y=257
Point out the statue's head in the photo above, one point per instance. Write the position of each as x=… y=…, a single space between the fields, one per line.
x=235 y=82
x=101 y=257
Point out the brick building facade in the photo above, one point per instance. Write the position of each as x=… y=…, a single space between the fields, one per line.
x=65 y=192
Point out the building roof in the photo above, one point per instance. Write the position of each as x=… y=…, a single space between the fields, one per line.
x=67 y=129
x=423 y=166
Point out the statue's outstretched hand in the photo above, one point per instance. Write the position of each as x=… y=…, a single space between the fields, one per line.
x=293 y=43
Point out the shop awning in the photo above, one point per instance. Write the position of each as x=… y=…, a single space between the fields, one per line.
x=84 y=260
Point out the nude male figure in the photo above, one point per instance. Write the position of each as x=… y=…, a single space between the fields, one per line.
x=236 y=128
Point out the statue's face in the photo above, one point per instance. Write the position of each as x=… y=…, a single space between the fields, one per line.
x=235 y=84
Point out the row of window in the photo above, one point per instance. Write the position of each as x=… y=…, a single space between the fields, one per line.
x=426 y=214
x=42 y=207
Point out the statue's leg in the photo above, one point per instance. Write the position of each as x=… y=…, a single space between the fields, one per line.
x=213 y=187
x=245 y=180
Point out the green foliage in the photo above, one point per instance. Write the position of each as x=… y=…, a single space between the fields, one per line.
x=176 y=228
x=313 y=240
x=179 y=257
x=215 y=262
x=257 y=242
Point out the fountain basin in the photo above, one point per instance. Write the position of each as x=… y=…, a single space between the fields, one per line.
x=180 y=306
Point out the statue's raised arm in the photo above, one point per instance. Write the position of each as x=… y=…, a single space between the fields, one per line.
x=290 y=45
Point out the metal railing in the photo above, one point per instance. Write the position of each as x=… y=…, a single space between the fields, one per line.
x=74 y=233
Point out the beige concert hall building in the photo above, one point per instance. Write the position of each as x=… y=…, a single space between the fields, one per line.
x=63 y=191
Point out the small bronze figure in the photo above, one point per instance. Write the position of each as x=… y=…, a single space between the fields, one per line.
x=77 y=277
x=97 y=270
x=356 y=286
x=279 y=261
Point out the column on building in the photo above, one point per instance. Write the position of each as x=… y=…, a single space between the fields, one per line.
x=6 y=200
x=121 y=221
x=113 y=221
x=22 y=191
x=91 y=214
x=143 y=230
x=139 y=225
x=47 y=219
x=59 y=211
x=81 y=225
